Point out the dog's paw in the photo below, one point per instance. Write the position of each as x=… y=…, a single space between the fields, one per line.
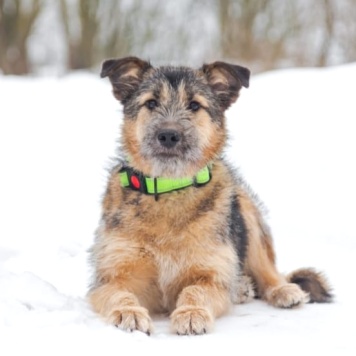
x=190 y=320
x=287 y=296
x=132 y=318
x=245 y=291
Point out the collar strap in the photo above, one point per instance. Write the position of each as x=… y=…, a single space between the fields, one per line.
x=147 y=185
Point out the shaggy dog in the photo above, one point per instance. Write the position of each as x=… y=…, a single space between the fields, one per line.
x=180 y=231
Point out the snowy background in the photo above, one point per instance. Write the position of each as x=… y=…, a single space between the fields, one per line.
x=293 y=137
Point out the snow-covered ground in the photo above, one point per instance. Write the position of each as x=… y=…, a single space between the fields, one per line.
x=293 y=137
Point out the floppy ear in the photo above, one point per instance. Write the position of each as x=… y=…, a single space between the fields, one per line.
x=226 y=81
x=125 y=75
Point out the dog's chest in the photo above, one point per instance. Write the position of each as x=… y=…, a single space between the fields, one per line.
x=171 y=265
x=182 y=238
x=177 y=262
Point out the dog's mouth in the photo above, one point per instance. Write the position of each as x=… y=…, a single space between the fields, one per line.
x=178 y=152
x=167 y=156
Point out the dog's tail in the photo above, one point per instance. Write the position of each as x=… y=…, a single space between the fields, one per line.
x=314 y=283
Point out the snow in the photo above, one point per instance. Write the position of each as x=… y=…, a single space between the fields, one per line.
x=293 y=137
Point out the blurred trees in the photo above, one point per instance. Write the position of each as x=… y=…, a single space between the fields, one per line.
x=80 y=24
x=17 y=19
x=97 y=29
x=262 y=34
x=256 y=31
x=269 y=34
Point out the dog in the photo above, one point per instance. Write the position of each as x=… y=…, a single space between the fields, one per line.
x=181 y=232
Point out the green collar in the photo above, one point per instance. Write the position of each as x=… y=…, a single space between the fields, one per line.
x=154 y=186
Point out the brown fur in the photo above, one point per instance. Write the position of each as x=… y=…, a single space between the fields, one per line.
x=196 y=251
x=314 y=283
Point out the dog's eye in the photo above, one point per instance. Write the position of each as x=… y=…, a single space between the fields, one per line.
x=151 y=104
x=194 y=106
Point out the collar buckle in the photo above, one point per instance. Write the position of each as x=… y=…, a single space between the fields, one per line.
x=136 y=180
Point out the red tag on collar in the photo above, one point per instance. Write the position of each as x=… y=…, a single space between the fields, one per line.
x=135 y=182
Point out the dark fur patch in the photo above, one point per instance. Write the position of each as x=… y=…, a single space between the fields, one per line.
x=237 y=230
x=314 y=283
x=175 y=76
x=207 y=204
x=113 y=221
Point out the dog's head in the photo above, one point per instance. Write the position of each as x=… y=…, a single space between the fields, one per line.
x=174 y=121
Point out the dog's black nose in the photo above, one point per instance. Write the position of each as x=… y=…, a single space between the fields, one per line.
x=168 y=138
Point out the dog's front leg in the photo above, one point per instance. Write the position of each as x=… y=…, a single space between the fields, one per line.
x=120 y=308
x=197 y=306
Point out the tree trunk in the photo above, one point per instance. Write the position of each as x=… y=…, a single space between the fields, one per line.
x=16 y=23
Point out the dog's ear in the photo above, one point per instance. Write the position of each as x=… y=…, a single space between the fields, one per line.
x=125 y=75
x=226 y=81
